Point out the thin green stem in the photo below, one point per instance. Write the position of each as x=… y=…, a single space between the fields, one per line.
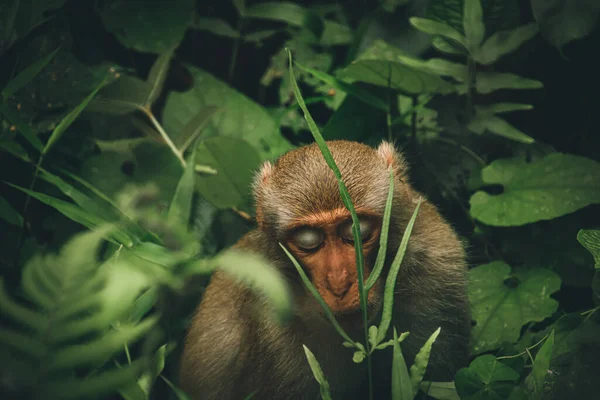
x=165 y=137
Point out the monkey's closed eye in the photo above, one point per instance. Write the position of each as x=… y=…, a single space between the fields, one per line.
x=366 y=230
x=307 y=238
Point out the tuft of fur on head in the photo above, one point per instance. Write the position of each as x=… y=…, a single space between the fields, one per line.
x=300 y=183
x=393 y=159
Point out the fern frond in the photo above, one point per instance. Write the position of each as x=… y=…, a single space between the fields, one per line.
x=74 y=321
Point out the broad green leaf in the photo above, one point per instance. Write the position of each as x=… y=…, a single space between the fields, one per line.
x=385 y=65
x=498 y=108
x=445 y=47
x=503 y=300
x=562 y=21
x=22 y=126
x=335 y=34
x=392 y=278
x=126 y=95
x=157 y=75
x=25 y=76
x=504 y=42
x=289 y=13
x=215 y=26
x=353 y=120
x=440 y=390
x=488 y=82
x=547 y=188
x=485 y=378
x=234 y=161
x=241 y=117
x=590 y=239
x=318 y=374
x=573 y=333
x=417 y=370
x=192 y=130
x=438 y=28
x=541 y=366
x=498 y=126
x=353 y=90
x=68 y=120
x=259 y=274
x=145 y=28
x=401 y=384
x=473 y=24
x=9 y=214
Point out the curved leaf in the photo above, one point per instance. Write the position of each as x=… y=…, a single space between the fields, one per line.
x=555 y=185
x=502 y=301
x=504 y=42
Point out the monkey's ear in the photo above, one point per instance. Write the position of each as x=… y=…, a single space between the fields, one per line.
x=260 y=185
x=392 y=158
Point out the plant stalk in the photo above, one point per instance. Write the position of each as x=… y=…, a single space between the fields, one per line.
x=165 y=137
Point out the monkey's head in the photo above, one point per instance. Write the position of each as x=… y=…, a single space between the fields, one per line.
x=299 y=205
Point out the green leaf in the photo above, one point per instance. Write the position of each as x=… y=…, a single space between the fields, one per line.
x=77 y=214
x=318 y=374
x=14 y=148
x=541 y=366
x=488 y=82
x=504 y=42
x=215 y=26
x=9 y=214
x=555 y=185
x=385 y=65
x=383 y=238
x=353 y=120
x=438 y=28
x=180 y=394
x=22 y=126
x=485 y=378
x=353 y=90
x=345 y=195
x=445 y=47
x=259 y=274
x=25 y=76
x=590 y=239
x=392 y=277
x=289 y=13
x=180 y=209
x=192 y=130
x=241 y=117
x=233 y=160
x=417 y=370
x=143 y=387
x=440 y=390
x=126 y=95
x=150 y=29
x=473 y=24
x=498 y=126
x=157 y=76
x=68 y=120
x=502 y=301
x=401 y=384
x=562 y=21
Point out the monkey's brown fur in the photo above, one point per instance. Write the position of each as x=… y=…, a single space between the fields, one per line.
x=234 y=348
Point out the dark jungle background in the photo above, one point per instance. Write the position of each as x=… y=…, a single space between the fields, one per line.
x=142 y=122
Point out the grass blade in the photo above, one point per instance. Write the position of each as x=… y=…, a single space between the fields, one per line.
x=401 y=386
x=390 y=283
x=417 y=370
x=383 y=239
x=318 y=373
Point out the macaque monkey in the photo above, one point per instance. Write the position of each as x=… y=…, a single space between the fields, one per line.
x=234 y=347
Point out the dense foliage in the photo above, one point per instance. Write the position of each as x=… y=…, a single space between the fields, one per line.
x=130 y=130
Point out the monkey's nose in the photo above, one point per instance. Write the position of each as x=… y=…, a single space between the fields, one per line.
x=338 y=282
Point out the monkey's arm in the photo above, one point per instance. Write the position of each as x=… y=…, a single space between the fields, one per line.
x=213 y=359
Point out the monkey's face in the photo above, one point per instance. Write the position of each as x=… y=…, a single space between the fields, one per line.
x=324 y=246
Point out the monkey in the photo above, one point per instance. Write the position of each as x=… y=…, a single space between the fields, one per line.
x=234 y=348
